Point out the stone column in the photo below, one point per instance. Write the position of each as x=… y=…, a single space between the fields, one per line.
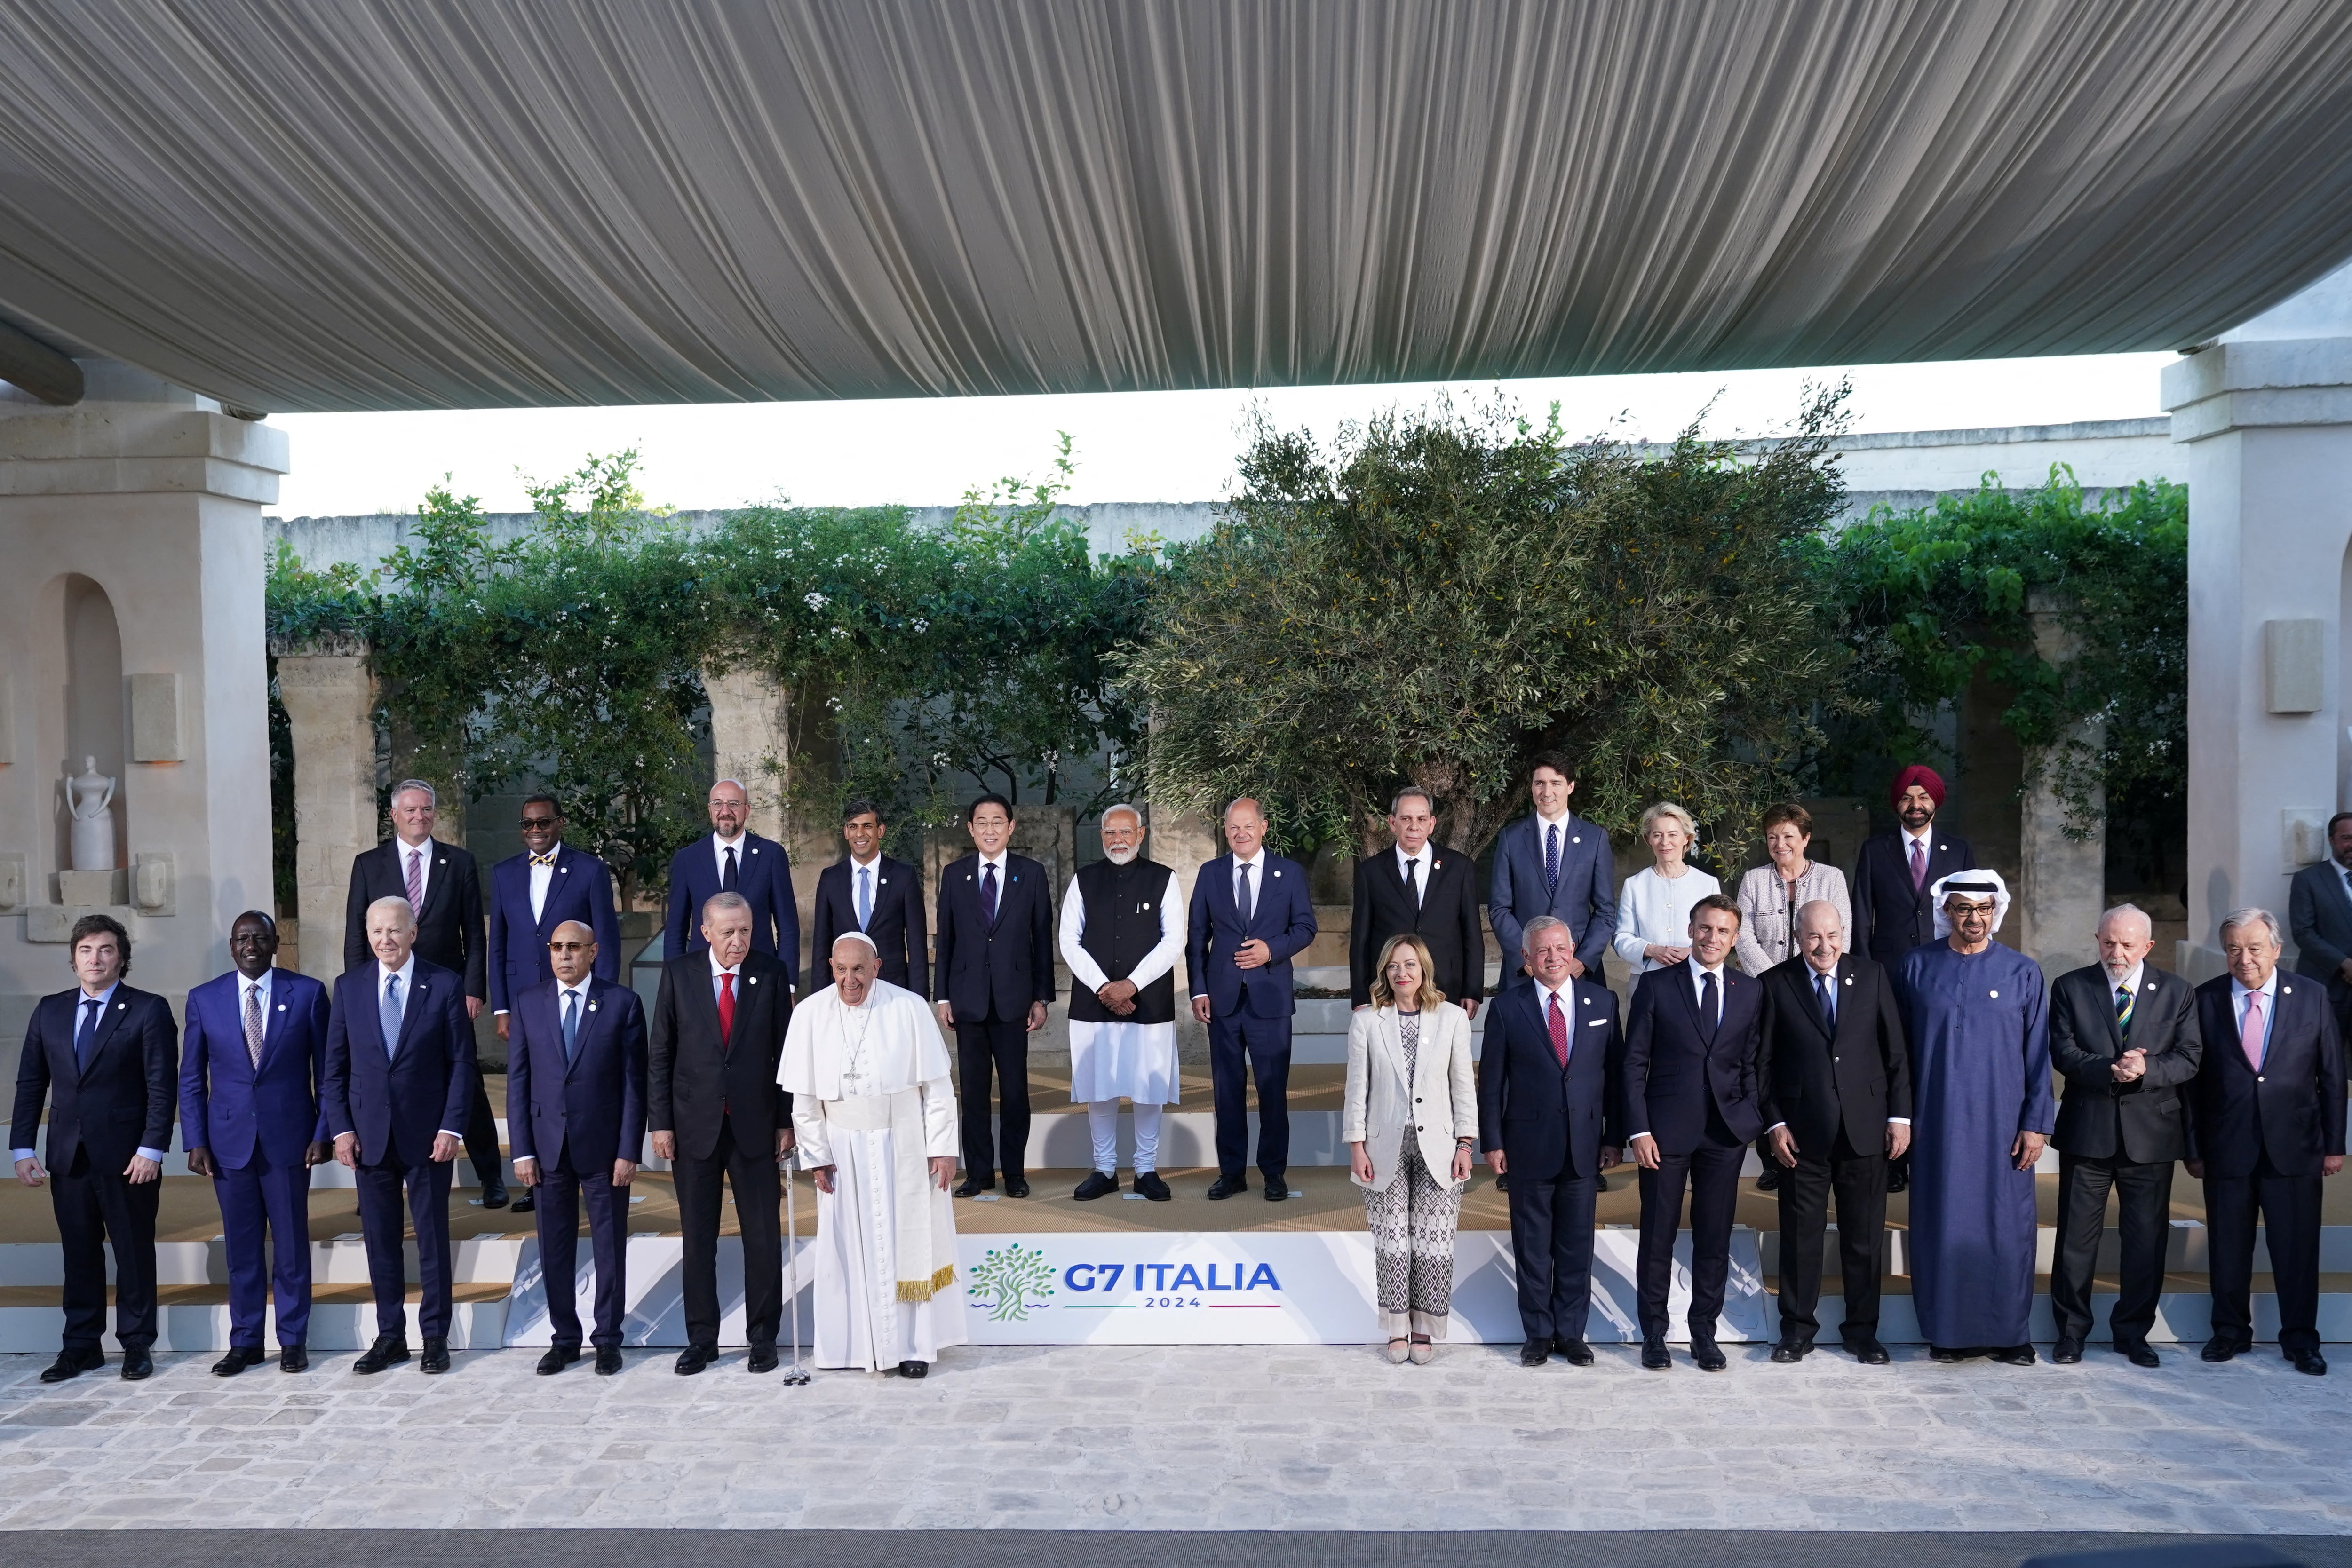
x=1184 y=842
x=130 y=626
x=756 y=739
x=329 y=696
x=2263 y=420
x=2061 y=880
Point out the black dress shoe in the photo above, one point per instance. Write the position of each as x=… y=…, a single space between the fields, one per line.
x=1945 y=1355
x=761 y=1359
x=1865 y=1349
x=1791 y=1350
x=293 y=1358
x=1655 y=1357
x=1276 y=1188
x=971 y=1186
x=1768 y=1179
x=1535 y=1353
x=1899 y=1175
x=138 y=1365
x=1098 y=1184
x=494 y=1195
x=2308 y=1362
x=437 y=1354
x=1150 y=1185
x=2221 y=1348
x=1578 y=1352
x=1503 y=1184
x=1225 y=1187
x=386 y=1350
x=2137 y=1352
x=1015 y=1187
x=2067 y=1350
x=524 y=1205
x=73 y=1364
x=238 y=1358
x=914 y=1369
x=557 y=1358
x=2014 y=1355
x=1599 y=1184
x=1708 y=1354
x=694 y=1358
x=608 y=1359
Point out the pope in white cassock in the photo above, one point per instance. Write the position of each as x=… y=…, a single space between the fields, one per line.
x=876 y=1116
x=1122 y=932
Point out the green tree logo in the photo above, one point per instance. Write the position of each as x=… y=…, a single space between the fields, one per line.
x=1012 y=1282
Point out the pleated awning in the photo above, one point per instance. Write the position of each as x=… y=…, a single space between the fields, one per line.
x=430 y=203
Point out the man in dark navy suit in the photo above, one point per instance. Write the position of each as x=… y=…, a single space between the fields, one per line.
x=400 y=1072
x=444 y=888
x=2265 y=1129
x=996 y=981
x=102 y=1057
x=1691 y=1039
x=251 y=1065
x=734 y=859
x=867 y=890
x=576 y=1113
x=1251 y=914
x=1552 y=862
x=1547 y=1110
x=2319 y=916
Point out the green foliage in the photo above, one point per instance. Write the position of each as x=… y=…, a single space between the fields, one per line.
x=1440 y=597
x=1933 y=598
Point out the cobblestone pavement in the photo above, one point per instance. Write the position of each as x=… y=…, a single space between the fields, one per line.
x=1188 y=1439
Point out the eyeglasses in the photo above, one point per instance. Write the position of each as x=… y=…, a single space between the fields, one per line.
x=569 y=946
x=530 y=823
x=1959 y=908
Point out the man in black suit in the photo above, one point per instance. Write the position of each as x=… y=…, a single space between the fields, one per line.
x=1417 y=888
x=2319 y=915
x=1833 y=1086
x=444 y=888
x=867 y=890
x=716 y=1112
x=995 y=979
x=400 y=1071
x=2124 y=1037
x=1691 y=1039
x=102 y=1058
x=1547 y=1109
x=2265 y=1127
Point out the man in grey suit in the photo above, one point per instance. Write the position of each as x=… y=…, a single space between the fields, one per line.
x=2319 y=915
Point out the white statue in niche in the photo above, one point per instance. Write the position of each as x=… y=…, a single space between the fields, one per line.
x=91 y=800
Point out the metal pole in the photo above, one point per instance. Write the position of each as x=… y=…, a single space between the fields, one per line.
x=796 y=1374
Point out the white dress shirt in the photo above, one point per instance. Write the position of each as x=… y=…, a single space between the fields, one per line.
x=244 y=989
x=1698 y=973
x=718 y=969
x=1417 y=876
x=542 y=877
x=1566 y=993
x=719 y=847
x=104 y=999
x=872 y=872
x=1257 y=867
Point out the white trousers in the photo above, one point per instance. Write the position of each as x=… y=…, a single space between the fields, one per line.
x=1102 y=1120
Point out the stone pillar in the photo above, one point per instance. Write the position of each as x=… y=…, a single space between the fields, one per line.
x=755 y=741
x=2263 y=419
x=329 y=696
x=2061 y=880
x=131 y=628
x=1184 y=842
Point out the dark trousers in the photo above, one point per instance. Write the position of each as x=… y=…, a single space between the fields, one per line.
x=94 y=1208
x=1245 y=1043
x=427 y=1188
x=562 y=1190
x=1551 y=1252
x=482 y=1136
x=1860 y=1182
x=758 y=1216
x=2289 y=1210
x=1004 y=1047
x=2142 y=1219
x=1711 y=1173
x=265 y=1230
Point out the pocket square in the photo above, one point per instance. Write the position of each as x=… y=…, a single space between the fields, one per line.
x=1594 y=1023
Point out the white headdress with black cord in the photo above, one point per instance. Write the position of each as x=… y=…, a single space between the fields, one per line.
x=1971 y=883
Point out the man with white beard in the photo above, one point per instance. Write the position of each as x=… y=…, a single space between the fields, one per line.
x=875 y=1116
x=1122 y=932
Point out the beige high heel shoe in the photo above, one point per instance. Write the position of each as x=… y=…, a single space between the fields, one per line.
x=1398 y=1350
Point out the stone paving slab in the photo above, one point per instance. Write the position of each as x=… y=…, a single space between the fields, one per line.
x=1187 y=1439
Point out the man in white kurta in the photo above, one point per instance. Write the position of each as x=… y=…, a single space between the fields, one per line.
x=1122 y=932
x=875 y=1116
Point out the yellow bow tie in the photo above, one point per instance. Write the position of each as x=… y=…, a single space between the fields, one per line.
x=547 y=859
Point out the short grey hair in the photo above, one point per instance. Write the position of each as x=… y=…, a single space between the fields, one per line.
x=1668 y=808
x=392 y=901
x=1250 y=800
x=1396 y=802
x=1115 y=808
x=2123 y=909
x=728 y=901
x=1536 y=928
x=432 y=796
x=2251 y=916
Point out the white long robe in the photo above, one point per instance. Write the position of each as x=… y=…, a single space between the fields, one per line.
x=872 y=1097
x=1116 y=1060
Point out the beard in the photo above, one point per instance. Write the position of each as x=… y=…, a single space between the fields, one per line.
x=1122 y=856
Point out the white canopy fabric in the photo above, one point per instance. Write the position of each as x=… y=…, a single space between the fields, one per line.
x=420 y=203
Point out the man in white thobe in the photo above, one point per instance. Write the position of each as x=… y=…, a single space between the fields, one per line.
x=875 y=1116
x=1122 y=932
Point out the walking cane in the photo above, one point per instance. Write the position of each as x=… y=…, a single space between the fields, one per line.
x=797 y=1373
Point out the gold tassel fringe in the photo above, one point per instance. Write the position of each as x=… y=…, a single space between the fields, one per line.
x=924 y=1289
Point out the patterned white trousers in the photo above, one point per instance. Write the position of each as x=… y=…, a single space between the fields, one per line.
x=1412 y=1221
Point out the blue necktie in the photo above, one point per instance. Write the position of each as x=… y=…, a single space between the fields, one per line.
x=571 y=1025
x=1828 y=998
x=865 y=896
x=89 y=1030
x=1551 y=859
x=388 y=1016
x=988 y=896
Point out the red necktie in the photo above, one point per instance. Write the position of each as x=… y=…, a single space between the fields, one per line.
x=1559 y=1031
x=726 y=1008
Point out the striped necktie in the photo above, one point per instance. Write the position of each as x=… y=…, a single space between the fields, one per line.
x=2124 y=1011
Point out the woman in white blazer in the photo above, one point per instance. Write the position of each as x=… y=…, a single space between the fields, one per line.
x=1412 y=1114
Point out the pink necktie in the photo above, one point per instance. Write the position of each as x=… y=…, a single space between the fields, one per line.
x=1918 y=865
x=417 y=880
x=2250 y=1033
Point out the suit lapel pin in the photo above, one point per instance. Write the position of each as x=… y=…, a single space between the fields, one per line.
x=881 y=881
x=1278 y=871
x=755 y=980
x=2286 y=990
x=1996 y=995
x=592 y=1006
x=1578 y=840
x=122 y=1007
x=755 y=848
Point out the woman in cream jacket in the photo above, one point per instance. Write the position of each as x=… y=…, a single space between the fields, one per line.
x=1411 y=1123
